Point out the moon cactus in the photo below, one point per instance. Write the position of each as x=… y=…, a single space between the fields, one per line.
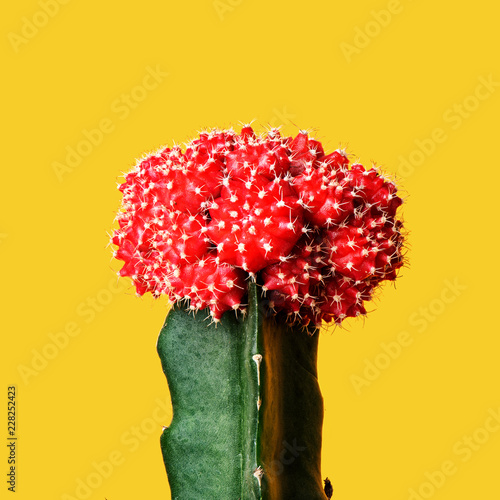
x=271 y=237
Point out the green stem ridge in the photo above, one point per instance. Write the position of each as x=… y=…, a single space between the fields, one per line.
x=248 y=411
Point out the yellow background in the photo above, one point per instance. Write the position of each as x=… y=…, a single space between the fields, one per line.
x=377 y=76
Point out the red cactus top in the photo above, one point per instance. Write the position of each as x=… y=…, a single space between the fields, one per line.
x=317 y=234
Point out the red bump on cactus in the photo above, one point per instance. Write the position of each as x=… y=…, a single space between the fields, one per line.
x=291 y=285
x=317 y=235
x=208 y=283
x=325 y=193
x=251 y=157
x=255 y=224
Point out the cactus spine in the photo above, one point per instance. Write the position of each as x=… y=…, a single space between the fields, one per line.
x=248 y=411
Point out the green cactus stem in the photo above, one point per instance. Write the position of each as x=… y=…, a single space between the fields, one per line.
x=247 y=408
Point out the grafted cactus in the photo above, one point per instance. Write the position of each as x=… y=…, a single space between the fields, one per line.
x=271 y=237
